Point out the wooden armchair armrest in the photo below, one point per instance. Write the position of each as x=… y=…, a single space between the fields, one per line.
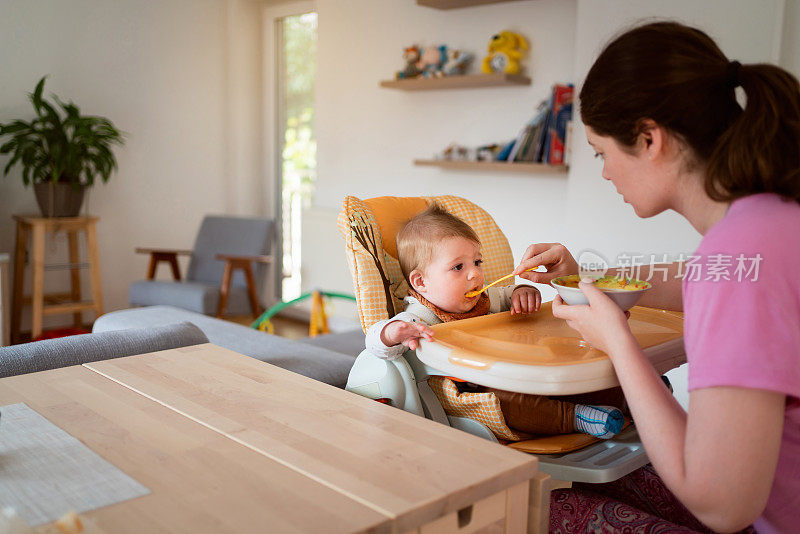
x=178 y=252
x=239 y=258
x=157 y=255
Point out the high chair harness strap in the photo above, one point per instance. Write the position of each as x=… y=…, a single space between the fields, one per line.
x=431 y=403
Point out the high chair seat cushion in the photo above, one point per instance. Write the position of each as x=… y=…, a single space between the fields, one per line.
x=561 y=443
x=555 y=444
x=485 y=408
x=370 y=227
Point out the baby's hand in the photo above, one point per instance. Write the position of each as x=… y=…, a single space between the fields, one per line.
x=408 y=334
x=525 y=299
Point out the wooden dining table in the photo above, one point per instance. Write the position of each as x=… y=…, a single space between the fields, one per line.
x=227 y=443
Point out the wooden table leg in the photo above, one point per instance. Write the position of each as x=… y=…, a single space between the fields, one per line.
x=94 y=268
x=541 y=486
x=19 y=281
x=539 y=504
x=75 y=276
x=224 y=289
x=37 y=294
x=517 y=508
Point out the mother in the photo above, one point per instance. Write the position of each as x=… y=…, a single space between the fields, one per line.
x=660 y=109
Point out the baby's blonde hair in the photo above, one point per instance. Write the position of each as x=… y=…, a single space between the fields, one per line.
x=419 y=237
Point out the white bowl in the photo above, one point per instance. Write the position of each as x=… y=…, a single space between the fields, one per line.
x=624 y=298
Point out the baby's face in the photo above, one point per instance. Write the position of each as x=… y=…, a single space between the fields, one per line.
x=454 y=270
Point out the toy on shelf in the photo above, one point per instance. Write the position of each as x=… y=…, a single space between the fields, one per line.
x=490 y=152
x=457 y=62
x=411 y=57
x=456 y=152
x=505 y=52
x=432 y=60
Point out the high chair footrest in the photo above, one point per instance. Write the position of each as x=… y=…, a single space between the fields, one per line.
x=604 y=461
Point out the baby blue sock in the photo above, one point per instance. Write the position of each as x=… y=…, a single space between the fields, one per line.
x=600 y=421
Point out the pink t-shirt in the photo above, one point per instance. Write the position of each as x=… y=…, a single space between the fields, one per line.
x=742 y=325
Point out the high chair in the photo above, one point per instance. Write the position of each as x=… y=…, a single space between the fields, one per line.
x=471 y=349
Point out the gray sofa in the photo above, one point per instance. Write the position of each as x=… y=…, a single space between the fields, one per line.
x=77 y=350
x=327 y=358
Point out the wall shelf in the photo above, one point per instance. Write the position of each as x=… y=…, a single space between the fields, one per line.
x=492 y=166
x=455 y=4
x=458 y=82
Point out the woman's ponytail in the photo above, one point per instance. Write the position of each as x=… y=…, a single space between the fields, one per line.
x=760 y=151
x=678 y=77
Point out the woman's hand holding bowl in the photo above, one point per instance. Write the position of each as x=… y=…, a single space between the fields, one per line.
x=602 y=323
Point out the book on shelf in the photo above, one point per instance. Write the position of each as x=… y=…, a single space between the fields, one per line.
x=512 y=154
x=542 y=139
x=526 y=138
x=560 y=114
x=521 y=141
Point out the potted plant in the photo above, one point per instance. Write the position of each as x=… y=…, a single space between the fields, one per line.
x=61 y=152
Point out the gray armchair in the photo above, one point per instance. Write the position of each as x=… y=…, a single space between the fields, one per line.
x=220 y=277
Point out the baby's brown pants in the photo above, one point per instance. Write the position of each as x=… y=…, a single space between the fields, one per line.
x=542 y=415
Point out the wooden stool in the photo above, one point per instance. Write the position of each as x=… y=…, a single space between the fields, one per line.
x=5 y=302
x=67 y=302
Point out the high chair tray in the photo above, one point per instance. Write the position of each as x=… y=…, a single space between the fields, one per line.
x=539 y=354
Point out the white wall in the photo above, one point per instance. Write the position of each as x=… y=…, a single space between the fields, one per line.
x=790 y=42
x=182 y=78
x=367 y=136
x=596 y=216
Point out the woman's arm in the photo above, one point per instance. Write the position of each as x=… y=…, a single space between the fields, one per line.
x=720 y=458
x=665 y=278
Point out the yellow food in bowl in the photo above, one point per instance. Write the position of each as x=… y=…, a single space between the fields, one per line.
x=605 y=283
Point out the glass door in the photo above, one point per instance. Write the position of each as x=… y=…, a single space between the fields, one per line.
x=297 y=147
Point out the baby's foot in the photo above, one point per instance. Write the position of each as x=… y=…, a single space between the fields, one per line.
x=600 y=421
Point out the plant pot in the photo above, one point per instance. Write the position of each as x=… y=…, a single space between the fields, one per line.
x=59 y=200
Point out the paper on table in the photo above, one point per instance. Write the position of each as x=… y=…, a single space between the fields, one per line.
x=45 y=472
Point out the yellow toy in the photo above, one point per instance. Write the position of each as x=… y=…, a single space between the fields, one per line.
x=505 y=51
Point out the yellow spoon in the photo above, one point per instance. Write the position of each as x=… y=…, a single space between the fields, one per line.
x=484 y=288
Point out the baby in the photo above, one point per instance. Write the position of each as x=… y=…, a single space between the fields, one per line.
x=440 y=256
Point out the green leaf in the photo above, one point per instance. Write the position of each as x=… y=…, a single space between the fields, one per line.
x=60 y=144
x=36 y=96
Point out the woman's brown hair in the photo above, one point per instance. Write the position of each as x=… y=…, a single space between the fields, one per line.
x=678 y=77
